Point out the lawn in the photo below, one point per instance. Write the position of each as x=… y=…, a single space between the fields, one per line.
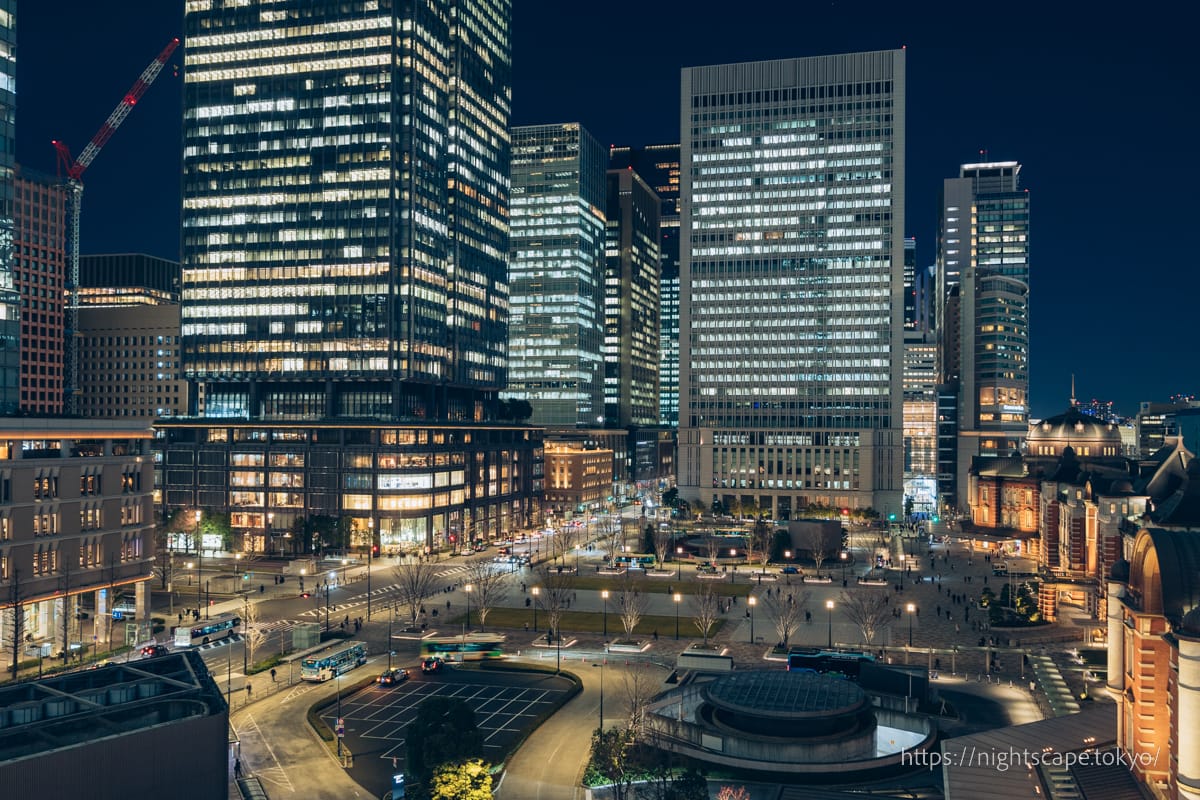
x=582 y=622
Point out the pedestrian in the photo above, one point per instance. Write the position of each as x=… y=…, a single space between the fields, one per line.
x=248 y=688
x=237 y=762
x=656 y=634
x=272 y=675
x=447 y=605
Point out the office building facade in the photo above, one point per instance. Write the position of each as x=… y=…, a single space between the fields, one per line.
x=791 y=283
x=39 y=266
x=983 y=257
x=556 y=274
x=631 y=302
x=130 y=278
x=658 y=164
x=129 y=360
x=344 y=277
x=10 y=301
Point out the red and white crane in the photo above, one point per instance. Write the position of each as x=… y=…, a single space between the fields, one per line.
x=72 y=172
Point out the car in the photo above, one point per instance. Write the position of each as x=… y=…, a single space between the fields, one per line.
x=433 y=664
x=391 y=677
x=152 y=650
x=790 y=571
x=467 y=552
x=708 y=568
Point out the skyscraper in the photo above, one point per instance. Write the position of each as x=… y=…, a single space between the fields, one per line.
x=910 y=281
x=556 y=274
x=983 y=297
x=10 y=303
x=345 y=208
x=658 y=164
x=631 y=303
x=344 y=285
x=791 y=283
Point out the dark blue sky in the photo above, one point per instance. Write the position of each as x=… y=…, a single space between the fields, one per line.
x=1100 y=108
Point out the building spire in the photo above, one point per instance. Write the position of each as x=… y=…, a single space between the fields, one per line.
x=1073 y=403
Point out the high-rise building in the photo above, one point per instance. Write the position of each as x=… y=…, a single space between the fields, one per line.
x=920 y=422
x=983 y=281
x=345 y=208
x=344 y=277
x=631 y=303
x=910 y=283
x=129 y=363
x=791 y=283
x=10 y=301
x=658 y=164
x=556 y=274
x=132 y=278
x=39 y=267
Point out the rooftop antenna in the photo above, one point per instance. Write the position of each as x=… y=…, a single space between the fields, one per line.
x=1073 y=403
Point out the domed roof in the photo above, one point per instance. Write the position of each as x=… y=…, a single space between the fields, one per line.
x=1190 y=624
x=1075 y=428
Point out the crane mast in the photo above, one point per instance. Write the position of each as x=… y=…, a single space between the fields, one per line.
x=73 y=170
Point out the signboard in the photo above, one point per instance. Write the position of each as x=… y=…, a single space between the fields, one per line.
x=398 y=786
x=101 y=602
x=341 y=727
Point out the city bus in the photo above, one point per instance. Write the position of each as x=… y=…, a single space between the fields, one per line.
x=471 y=647
x=634 y=560
x=208 y=630
x=828 y=662
x=333 y=661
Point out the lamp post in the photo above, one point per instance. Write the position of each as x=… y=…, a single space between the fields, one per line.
x=910 y=608
x=845 y=557
x=601 y=666
x=604 y=594
x=270 y=542
x=331 y=575
x=535 y=591
x=199 y=555
x=752 y=601
x=678 y=563
x=829 y=614
x=678 y=599
x=391 y=616
x=370 y=552
x=207 y=599
x=339 y=713
x=245 y=650
x=467 y=623
x=190 y=566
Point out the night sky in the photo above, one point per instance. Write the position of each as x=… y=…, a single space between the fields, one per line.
x=1099 y=108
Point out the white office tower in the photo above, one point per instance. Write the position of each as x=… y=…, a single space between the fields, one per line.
x=791 y=284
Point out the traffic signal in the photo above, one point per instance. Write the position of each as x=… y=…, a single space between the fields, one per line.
x=891 y=517
x=375 y=550
x=936 y=519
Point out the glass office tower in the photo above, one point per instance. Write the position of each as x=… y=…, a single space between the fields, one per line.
x=10 y=301
x=345 y=207
x=791 y=284
x=557 y=274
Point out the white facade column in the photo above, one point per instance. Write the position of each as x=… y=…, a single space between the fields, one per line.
x=1188 y=725
x=1116 y=639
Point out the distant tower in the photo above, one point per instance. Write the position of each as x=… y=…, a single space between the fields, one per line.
x=631 y=303
x=983 y=305
x=556 y=274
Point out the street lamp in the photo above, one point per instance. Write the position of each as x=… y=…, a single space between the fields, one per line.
x=844 y=559
x=604 y=594
x=371 y=552
x=753 y=601
x=199 y=555
x=910 y=608
x=601 y=666
x=829 y=614
x=467 y=623
x=535 y=591
x=678 y=599
x=678 y=563
x=190 y=566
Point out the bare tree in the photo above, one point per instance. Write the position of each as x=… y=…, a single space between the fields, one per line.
x=254 y=635
x=611 y=533
x=639 y=685
x=820 y=539
x=631 y=606
x=415 y=580
x=785 y=613
x=706 y=609
x=14 y=625
x=554 y=593
x=758 y=543
x=663 y=537
x=712 y=547
x=868 y=609
x=568 y=539
x=488 y=586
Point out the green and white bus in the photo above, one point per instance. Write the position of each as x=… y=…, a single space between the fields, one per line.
x=472 y=647
x=333 y=661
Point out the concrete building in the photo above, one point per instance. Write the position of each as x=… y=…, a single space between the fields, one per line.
x=556 y=274
x=57 y=735
x=631 y=302
x=127 y=278
x=983 y=301
x=920 y=423
x=129 y=360
x=1156 y=422
x=658 y=164
x=791 y=283
x=577 y=479
x=76 y=516
x=39 y=267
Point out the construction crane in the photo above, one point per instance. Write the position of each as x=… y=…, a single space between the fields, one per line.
x=72 y=172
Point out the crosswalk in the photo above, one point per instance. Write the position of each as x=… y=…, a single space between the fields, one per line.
x=360 y=600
